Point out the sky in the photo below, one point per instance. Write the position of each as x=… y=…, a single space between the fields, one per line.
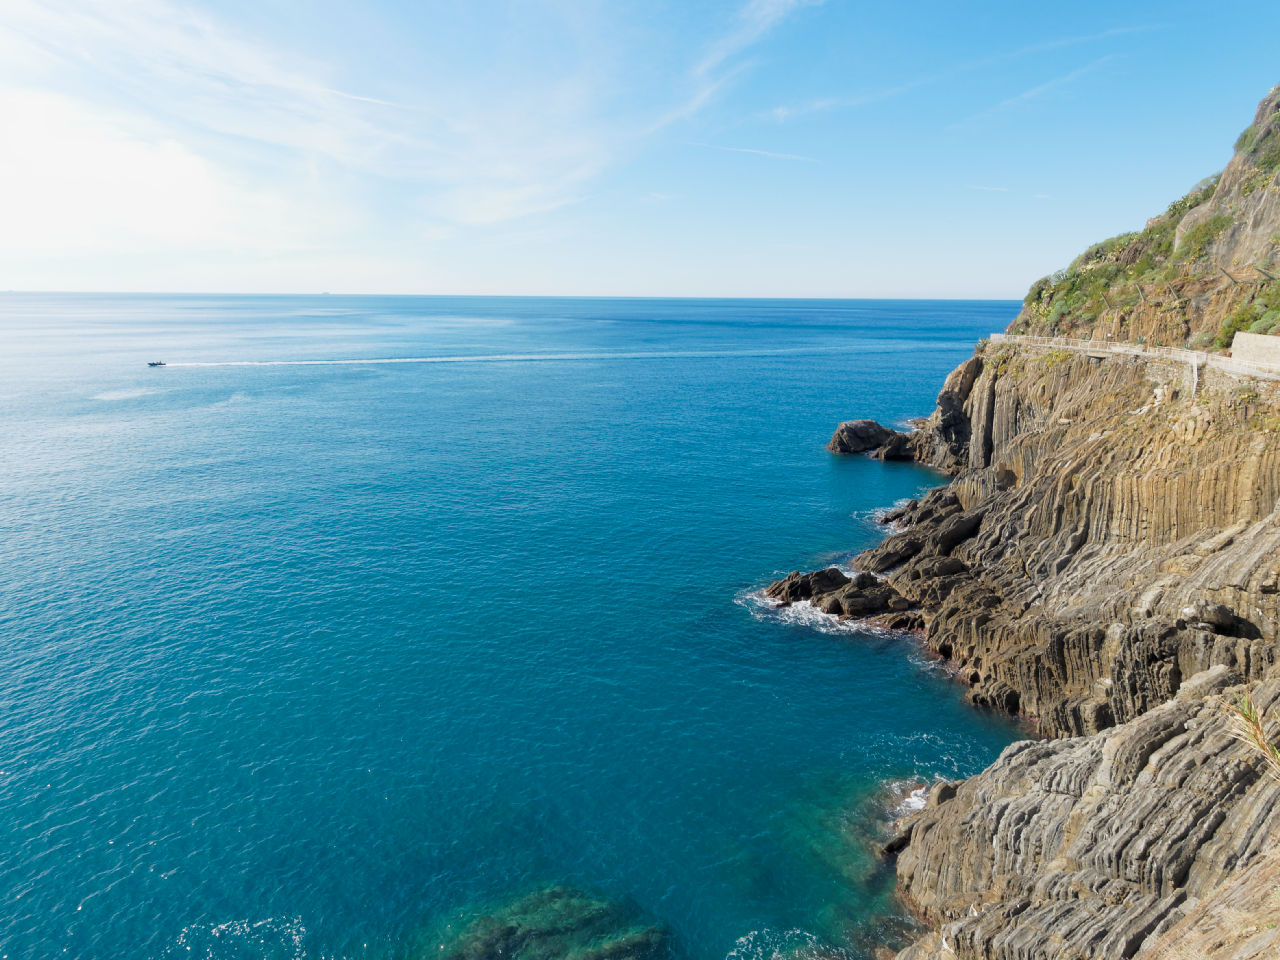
x=788 y=148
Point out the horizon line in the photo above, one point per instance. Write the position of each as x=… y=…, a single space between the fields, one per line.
x=509 y=296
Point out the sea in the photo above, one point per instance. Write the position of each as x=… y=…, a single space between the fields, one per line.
x=364 y=616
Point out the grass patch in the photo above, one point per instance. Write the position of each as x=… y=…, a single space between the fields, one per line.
x=1107 y=275
x=1195 y=243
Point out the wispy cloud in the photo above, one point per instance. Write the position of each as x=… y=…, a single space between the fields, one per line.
x=1035 y=92
x=171 y=72
x=720 y=64
x=754 y=20
x=786 y=112
x=789 y=112
x=759 y=153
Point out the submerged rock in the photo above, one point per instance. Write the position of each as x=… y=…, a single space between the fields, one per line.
x=558 y=923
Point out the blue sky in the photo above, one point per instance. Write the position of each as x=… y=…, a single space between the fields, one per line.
x=744 y=148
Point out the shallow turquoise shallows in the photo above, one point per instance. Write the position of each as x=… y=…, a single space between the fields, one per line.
x=301 y=660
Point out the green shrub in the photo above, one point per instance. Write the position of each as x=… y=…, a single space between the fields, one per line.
x=1260 y=144
x=1265 y=323
x=1196 y=241
x=1242 y=319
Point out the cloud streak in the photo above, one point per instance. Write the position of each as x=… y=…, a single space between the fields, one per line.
x=786 y=112
x=759 y=153
x=1035 y=92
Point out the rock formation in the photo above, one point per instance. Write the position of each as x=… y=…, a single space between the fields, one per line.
x=1106 y=564
x=557 y=923
x=1095 y=846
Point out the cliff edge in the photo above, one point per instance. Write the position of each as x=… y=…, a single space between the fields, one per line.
x=1106 y=564
x=1195 y=275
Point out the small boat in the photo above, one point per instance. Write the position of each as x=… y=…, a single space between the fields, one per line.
x=155 y=363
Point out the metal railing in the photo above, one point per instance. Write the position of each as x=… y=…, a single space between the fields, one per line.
x=1196 y=358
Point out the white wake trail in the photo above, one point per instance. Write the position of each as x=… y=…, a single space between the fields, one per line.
x=511 y=358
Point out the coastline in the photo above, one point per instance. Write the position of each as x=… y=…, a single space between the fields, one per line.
x=1103 y=566
x=1064 y=661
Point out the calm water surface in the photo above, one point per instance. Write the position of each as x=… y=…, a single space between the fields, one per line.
x=299 y=659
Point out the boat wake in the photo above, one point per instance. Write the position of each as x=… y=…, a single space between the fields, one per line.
x=516 y=358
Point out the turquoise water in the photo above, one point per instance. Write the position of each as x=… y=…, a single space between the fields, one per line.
x=300 y=659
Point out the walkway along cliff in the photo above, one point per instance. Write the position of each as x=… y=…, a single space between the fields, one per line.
x=1106 y=564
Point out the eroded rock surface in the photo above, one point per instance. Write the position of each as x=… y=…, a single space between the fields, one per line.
x=1106 y=534
x=859 y=436
x=1104 y=847
x=1104 y=563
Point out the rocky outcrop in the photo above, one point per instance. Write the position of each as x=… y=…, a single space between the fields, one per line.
x=859 y=436
x=1106 y=534
x=1236 y=922
x=833 y=593
x=1098 y=848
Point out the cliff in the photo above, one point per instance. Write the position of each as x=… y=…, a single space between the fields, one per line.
x=1107 y=534
x=1106 y=564
x=1195 y=275
x=1101 y=847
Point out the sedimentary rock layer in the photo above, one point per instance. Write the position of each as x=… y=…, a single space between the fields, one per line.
x=1107 y=534
x=1093 y=847
x=1106 y=564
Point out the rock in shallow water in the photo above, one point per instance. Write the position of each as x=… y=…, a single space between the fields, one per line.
x=805 y=586
x=558 y=923
x=859 y=436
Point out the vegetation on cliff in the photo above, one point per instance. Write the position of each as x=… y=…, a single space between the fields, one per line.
x=1195 y=275
x=1106 y=563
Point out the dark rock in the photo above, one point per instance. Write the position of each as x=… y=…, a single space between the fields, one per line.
x=805 y=586
x=858 y=436
x=550 y=925
x=896 y=447
x=866 y=602
x=891 y=553
x=954 y=530
x=911 y=620
x=898 y=514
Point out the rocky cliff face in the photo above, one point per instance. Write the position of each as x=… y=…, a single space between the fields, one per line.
x=1195 y=275
x=1106 y=535
x=1106 y=564
x=1095 y=847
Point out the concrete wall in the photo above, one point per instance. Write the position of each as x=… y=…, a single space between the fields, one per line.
x=1256 y=348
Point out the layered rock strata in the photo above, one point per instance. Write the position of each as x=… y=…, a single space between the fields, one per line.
x=1106 y=534
x=1094 y=847
x=1106 y=564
